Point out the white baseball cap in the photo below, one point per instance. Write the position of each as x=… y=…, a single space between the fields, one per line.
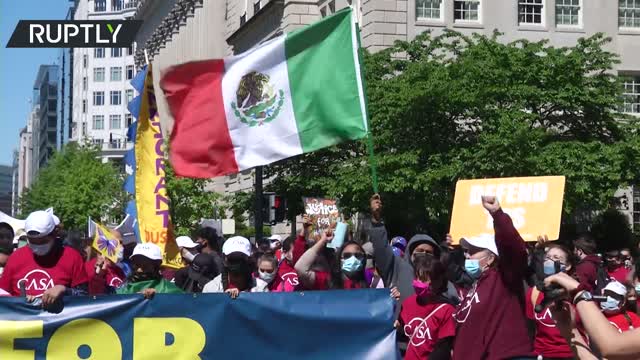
x=148 y=250
x=275 y=238
x=237 y=244
x=484 y=241
x=56 y=220
x=185 y=242
x=616 y=287
x=39 y=224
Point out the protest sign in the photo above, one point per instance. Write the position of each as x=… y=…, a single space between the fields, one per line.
x=203 y=326
x=534 y=204
x=323 y=213
x=106 y=243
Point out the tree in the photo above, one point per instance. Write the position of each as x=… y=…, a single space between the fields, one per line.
x=455 y=107
x=77 y=184
x=190 y=201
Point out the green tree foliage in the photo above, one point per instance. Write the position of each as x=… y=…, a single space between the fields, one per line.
x=190 y=201
x=77 y=184
x=455 y=107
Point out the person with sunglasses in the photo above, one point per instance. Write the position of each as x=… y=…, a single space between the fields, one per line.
x=491 y=318
x=347 y=272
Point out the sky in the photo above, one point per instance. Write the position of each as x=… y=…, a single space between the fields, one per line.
x=19 y=67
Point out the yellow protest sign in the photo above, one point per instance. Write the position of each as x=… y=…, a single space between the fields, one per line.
x=534 y=204
x=106 y=243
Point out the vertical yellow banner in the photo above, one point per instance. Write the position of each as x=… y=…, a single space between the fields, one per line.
x=151 y=191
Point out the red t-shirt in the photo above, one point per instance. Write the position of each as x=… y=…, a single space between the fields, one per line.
x=323 y=278
x=63 y=266
x=287 y=279
x=549 y=342
x=425 y=325
x=113 y=276
x=619 y=274
x=625 y=323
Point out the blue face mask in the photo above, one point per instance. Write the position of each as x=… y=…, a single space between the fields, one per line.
x=351 y=265
x=549 y=267
x=472 y=266
x=610 y=306
x=638 y=289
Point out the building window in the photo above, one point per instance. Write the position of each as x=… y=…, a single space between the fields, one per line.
x=631 y=95
x=323 y=12
x=129 y=95
x=332 y=7
x=85 y=60
x=84 y=128
x=116 y=98
x=256 y=7
x=129 y=119
x=114 y=122
x=243 y=19
x=116 y=5
x=100 y=5
x=98 y=122
x=568 y=12
x=98 y=74
x=84 y=106
x=428 y=9
x=116 y=73
x=116 y=52
x=85 y=83
x=530 y=11
x=629 y=13
x=129 y=72
x=130 y=50
x=98 y=98
x=98 y=53
x=467 y=10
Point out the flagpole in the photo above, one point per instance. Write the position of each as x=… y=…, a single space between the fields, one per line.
x=373 y=163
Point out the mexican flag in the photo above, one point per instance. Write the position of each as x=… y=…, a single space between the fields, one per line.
x=294 y=94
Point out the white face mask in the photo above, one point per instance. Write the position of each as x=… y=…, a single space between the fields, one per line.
x=41 y=250
x=187 y=255
x=267 y=277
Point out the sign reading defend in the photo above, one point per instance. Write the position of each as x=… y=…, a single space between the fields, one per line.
x=534 y=204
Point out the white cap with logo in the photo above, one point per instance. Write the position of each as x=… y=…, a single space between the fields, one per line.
x=484 y=241
x=185 y=242
x=148 y=250
x=39 y=224
x=237 y=244
x=616 y=287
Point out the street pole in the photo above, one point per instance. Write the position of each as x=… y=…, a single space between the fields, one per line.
x=258 y=205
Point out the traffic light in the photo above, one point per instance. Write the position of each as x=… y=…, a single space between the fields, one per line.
x=274 y=208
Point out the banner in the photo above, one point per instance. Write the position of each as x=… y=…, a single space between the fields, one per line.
x=534 y=204
x=323 y=214
x=152 y=201
x=106 y=243
x=355 y=324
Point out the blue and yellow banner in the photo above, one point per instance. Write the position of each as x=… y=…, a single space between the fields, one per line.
x=355 y=324
x=152 y=201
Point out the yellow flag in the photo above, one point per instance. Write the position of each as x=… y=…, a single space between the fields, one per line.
x=106 y=243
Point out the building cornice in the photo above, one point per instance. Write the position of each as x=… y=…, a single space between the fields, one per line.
x=265 y=10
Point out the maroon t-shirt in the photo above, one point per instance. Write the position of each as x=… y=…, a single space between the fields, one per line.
x=549 y=342
x=62 y=266
x=425 y=325
x=491 y=318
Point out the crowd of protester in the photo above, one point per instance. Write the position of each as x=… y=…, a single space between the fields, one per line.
x=491 y=297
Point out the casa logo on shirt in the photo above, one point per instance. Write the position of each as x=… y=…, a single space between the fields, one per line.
x=418 y=331
x=464 y=308
x=35 y=282
x=291 y=278
x=545 y=318
x=257 y=102
x=115 y=282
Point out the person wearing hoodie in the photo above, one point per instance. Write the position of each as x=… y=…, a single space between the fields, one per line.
x=587 y=268
x=491 y=319
x=398 y=271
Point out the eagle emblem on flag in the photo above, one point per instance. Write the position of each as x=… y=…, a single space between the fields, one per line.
x=257 y=102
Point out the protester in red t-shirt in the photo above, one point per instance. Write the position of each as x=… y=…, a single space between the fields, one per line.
x=614 y=307
x=549 y=343
x=491 y=319
x=287 y=275
x=348 y=272
x=615 y=267
x=426 y=318
x=268 y=271
x=45 y=268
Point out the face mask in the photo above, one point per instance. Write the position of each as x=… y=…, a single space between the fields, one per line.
x=120 y=255
x=549 y=267
x=422 y=289
x=273 y=245
x=472 y=266
x=610 y=306
x=638 y=289
x=267 y=277
x=41 y=250
x=351 y=265
x=187 y=255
